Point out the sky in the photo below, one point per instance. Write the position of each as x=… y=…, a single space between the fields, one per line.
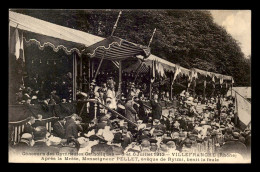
x=238 y=25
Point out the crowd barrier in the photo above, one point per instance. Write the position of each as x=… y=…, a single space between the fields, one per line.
x=19 y=115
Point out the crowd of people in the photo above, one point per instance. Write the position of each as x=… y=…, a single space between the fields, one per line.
x=192 y=124
x=37 y=90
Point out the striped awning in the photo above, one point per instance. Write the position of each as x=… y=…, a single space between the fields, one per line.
x=117 y=49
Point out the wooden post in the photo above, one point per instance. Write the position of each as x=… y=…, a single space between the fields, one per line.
x=19 y=133
x=89 y=71
x=236 y=114
x=80 y=73
x=99 y=65
x=150 y=86
x=194 y=86
x=120 y=80
x=231 y=89
x=74 y=90
x=204 y=90
x=171 y=81
x=15 y=134
x=95 y=111
x=92 y=69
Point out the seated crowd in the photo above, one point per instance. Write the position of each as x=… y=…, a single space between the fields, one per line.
x=192 y=124
x=36 y=90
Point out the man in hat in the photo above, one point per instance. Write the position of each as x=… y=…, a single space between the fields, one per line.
x=102 y=147
x=145 y=145
x=116 y=144
x=58 y=128
x=158 y=126
x=41 y=144
x=25 y=143
x=127 y=137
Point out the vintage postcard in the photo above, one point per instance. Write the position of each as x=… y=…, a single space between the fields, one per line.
x=129 y=86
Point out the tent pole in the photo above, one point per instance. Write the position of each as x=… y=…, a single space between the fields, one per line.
x=150 y=87
x=73 y=76
x=171 y=81
x=231 y=88
x=80 y=74
x=120 y=79
x=236 y=114
x=99 y=66
x=89 y=70
x=204 y=89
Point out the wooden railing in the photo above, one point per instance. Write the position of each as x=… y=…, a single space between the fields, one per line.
x=16 y=128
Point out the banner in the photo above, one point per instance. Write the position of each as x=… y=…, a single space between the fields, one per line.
x=243 y=108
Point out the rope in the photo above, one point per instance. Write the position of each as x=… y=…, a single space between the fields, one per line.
x=113 y=111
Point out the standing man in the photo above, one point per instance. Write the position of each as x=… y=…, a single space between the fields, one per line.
x=130 y=111
x=156 y=108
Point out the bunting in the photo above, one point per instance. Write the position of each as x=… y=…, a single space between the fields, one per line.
x=159 y=69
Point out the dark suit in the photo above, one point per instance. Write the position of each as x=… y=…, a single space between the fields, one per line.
x=156 y=110
x=130 y=112
x=39 y=123
x=71 y=129
x=59 y=130
x=28 y=128
x=141 y=112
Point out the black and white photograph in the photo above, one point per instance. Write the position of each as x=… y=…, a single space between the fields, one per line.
x=130 y=86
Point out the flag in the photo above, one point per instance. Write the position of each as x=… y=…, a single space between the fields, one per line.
x=160 y=69
x=15 y=44
x=243 y=109
x=177 y=71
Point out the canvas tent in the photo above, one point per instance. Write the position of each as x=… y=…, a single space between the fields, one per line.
x=44 y=34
